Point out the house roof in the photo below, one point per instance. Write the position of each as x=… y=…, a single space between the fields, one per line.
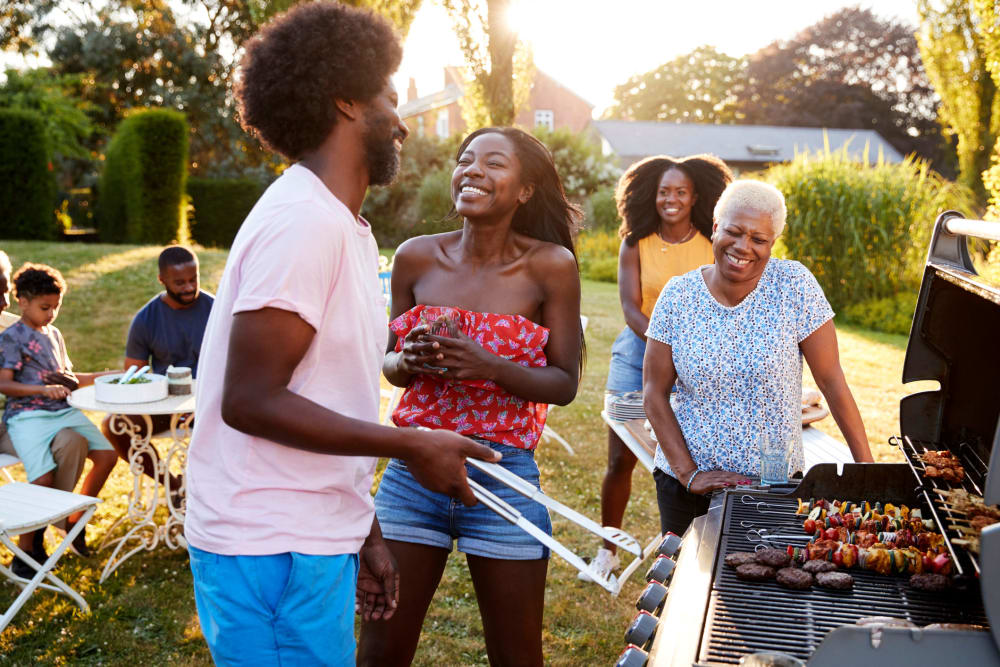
x=737 y=143
x=441 y=98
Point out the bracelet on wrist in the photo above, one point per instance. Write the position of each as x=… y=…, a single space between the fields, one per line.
x=691 y=479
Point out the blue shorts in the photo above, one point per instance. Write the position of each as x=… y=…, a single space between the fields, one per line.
x=282 y=609
x=31 y=432
x=625 y=369
x=407 y=512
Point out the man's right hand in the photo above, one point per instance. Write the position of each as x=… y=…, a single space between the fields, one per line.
x=438 y=462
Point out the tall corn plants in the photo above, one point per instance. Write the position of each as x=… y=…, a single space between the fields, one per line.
x=862 y=229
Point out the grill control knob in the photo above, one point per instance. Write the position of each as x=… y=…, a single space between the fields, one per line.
x=652 y=598
x=632 y=656
x=640 y=632
x=670 y=544
x=660 y=570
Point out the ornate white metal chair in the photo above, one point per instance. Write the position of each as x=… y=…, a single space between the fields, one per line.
x=28 y=507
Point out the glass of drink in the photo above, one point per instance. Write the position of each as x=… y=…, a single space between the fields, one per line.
x=773 y=460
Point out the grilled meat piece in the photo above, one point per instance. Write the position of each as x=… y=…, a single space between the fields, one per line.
x=817 y=566
x=775 y=558
x=932 y=583
x=755 y=572
x=955 y=626
x=793 y=578
x=884 y=622
x=979 y=522
x=840 y=581
x=738 y=558
x=943 y=464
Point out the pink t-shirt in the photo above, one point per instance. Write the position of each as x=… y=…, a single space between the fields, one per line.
x=300 y=249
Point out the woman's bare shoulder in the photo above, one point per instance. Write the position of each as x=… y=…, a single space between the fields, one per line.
x=421 y=249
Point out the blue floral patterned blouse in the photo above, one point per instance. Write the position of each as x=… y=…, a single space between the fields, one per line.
x=739 y=369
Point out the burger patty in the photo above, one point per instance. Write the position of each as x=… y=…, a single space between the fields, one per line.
x=932 y=583
x=817 y=566
x=740 y=558
x=840 y=581
x=798 y=580
x=773 y=557
x=755 y=572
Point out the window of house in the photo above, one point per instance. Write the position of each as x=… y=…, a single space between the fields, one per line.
x=420 y=126
x=441 y=129
x=546 y=118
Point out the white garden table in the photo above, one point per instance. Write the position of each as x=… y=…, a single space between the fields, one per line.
x=147 y=528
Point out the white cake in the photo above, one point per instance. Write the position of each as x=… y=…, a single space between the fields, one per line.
x=107 y=389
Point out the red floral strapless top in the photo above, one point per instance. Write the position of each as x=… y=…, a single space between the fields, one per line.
x=478 y=408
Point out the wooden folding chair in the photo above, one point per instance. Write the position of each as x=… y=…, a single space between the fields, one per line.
x=28 y=507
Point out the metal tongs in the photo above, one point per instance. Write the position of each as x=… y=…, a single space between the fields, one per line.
x=511 y=514
x=613 y=535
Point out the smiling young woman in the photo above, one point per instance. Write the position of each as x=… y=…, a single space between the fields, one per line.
x=666 y=210
x=486 y=333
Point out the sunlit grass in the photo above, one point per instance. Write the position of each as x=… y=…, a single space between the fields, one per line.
x=145 y=613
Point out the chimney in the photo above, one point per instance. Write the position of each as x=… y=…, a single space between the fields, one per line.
x=411 y=90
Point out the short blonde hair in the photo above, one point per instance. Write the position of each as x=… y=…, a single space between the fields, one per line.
x=756 y=196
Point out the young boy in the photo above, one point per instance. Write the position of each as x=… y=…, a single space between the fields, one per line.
x=32 y=354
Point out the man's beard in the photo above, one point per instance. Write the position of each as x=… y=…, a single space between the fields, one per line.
x=181 y=299
x=380 y=150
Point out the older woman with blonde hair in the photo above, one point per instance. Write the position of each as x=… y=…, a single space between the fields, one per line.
x=732 y=335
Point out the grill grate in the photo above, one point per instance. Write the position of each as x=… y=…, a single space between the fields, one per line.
x=944 y=515
x=746 y=617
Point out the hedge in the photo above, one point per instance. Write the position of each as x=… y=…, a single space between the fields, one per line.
x=141 y=190
x=220 y=206
x=862 y=229
x=27 y=185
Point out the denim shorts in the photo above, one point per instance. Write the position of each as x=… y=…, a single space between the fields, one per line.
x=407 y=512
x=625 y=369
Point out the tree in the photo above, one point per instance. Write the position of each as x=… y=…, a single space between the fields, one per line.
x=954 y=48
x=693 y=88
x=851 y=70
x=55 y=98
x=400 y=12
x=501 y=68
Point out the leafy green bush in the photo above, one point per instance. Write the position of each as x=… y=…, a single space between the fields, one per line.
x=581 y=164
x=27 y=188
x=862 y=230
x=141 y=192
x=602 y=212
x=220 y=206
x=890 y=314
x=598 y=255
x=434 y=204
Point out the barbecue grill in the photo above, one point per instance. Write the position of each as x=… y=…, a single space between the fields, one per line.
x=710 y=617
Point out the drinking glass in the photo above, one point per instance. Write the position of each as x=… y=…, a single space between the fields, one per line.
x=773 y=459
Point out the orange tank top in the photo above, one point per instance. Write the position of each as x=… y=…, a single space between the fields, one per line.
x=660 y=261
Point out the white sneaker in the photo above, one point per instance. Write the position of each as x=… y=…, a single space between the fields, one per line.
x=604 y=562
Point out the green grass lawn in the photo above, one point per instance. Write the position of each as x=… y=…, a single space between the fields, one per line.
x=144 y=614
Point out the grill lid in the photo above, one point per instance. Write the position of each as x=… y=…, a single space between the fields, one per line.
x=953 y=340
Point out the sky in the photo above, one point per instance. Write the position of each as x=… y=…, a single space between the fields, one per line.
x=591 y=46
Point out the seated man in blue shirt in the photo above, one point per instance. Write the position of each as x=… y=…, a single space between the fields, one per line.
x=167 y=331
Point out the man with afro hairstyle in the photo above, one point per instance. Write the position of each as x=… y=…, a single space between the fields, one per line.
x=280 y=522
